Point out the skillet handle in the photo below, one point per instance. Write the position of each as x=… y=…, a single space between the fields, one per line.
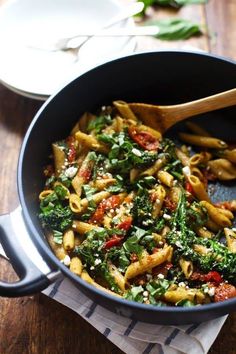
x=32 y=278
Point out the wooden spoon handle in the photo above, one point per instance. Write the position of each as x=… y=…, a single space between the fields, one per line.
x=176 y=113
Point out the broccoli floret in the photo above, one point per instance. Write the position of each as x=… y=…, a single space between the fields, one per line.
x=56 y=217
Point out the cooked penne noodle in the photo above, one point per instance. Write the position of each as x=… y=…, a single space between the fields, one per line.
x=118 y=277
x=59 y=250
x=198 y=188
x=91 y=142
x=213 y=226
x=147 y=262
x=134 y=173
x=187 y=267
x=69 y=240
x=181 y=293
x=229 y=155
x=226 y=212
x=154 y=132
x=59 y=158
x=82 y=227
x=154 y=168
x=165 y=178
x=219 y=218
x=125 y=110
x=45 y=194
x=96 y=198
x=74 y=202
x=184 y=158
x=203 y=232
x=103 y=183
x=231 y=239
x=223 y=169
x=76 y=266
x=203 y=141
x=200 y=159
x=196 y=172
x=86 y=277
x=159 y=196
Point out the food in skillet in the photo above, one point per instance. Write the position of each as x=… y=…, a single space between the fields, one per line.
x=129 y=212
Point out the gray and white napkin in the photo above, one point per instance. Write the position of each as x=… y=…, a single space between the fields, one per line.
x=137 y=337
x=132 y=336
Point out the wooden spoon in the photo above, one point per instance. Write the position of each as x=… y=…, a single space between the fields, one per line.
x=162 y=118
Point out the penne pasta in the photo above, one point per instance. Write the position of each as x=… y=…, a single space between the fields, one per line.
x=129 y=212
x=147 y=262
x=231 y=239
x=198 y=188
x=203 y=141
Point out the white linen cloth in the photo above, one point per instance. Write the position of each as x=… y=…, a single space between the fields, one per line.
x=135 y=337
x=132 y=336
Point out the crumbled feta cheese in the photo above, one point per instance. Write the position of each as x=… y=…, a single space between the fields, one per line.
x=92 y=268
x=149 y=277
x=136 y=152
x=145 y=293
x=178 y=244
x=157 y=201
x=66 y=260
x=182 y=284
x=166 y=216
x=211 y=291
x=97 y=261
x=186 y=171
x=161 y=276
x=70 y=172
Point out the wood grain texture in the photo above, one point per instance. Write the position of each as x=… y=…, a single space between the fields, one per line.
x=38 y=325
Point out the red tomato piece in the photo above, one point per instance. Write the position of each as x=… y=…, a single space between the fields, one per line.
x=144 y=139
x=85 y=173
x=224 y=291
x=125 y=224
x=170 y=204
x=162 y=269
x=189 y=188
x=103 y=206
x=114 y=241
x=213 y=276
x=72 y=151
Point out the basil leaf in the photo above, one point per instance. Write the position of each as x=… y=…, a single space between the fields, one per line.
x=135 y=294
x=175 y=28
x=57 y=237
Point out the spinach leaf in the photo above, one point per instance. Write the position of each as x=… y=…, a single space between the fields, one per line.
x=99 y=123
x=135 y=294
x=175 y=28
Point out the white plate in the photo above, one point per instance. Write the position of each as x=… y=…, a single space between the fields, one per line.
x=38 y=73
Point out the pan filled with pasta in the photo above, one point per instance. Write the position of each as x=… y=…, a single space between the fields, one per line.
x=142 y=222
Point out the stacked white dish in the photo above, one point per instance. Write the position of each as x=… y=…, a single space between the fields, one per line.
x=37 y=72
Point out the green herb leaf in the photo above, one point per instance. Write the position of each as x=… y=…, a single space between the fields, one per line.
x=175 y=28
x=57 y=237
x=99 y=123
x=135 y=294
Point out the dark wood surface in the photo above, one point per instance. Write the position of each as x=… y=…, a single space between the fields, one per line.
x=36 y=324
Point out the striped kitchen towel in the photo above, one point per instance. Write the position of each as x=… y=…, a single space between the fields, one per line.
x=137 y=337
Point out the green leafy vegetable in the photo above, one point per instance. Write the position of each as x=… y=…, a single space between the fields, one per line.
x=123 y=156
x=53 y=214
x=57 y=237
x=172 y=3
x=175 y=28
x=99 y=123
x=135 y=294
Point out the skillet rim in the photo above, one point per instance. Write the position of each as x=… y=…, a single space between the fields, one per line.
x=48 y=254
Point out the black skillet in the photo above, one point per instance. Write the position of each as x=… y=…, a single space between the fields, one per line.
x=157 y=77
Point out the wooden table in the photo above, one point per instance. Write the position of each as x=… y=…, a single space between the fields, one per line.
x=37 y=324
